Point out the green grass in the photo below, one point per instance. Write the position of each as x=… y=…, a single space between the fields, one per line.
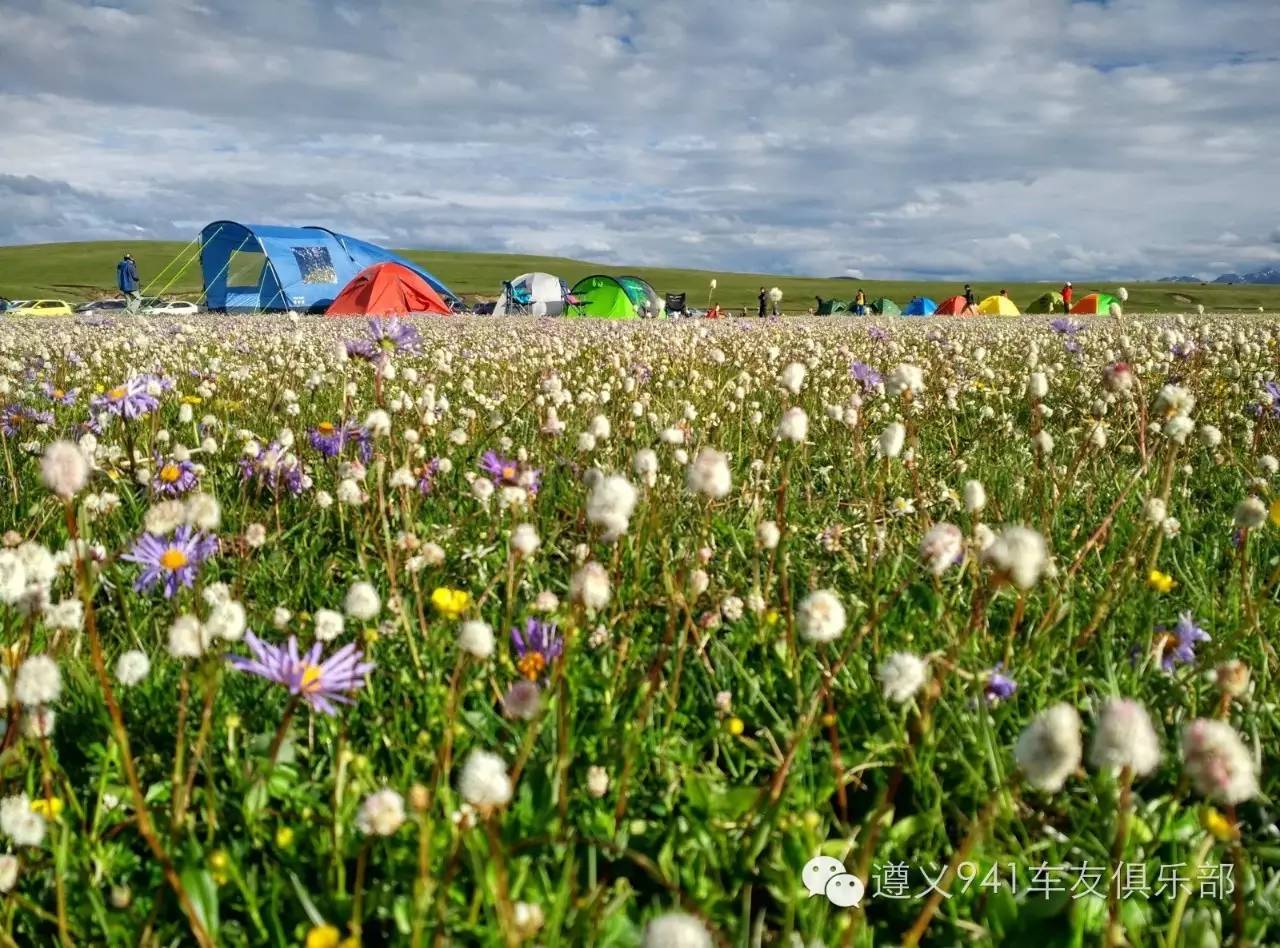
x=82 y=271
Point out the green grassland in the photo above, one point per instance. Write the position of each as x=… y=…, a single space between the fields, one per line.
x=83 y=271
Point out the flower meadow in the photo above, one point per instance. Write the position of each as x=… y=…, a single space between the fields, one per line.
x=463 y=631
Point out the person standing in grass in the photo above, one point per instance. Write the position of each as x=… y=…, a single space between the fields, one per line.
x=1066 y=297
x=969 y=299
x=764 y=297
x=860 y=303
x=127 y=281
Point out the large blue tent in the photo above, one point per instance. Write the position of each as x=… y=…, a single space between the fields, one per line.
x=920 y=306
x=301 y=268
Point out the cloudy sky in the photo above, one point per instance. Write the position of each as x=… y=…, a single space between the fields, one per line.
x=997 y=138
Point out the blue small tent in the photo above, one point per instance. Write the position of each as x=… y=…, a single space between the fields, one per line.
x=920 y=306
x=301 y=268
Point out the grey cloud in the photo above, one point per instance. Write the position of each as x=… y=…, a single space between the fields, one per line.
x=996 y=137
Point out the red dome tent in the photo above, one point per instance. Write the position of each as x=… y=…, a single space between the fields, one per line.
x=387 y=289
x=954 y=306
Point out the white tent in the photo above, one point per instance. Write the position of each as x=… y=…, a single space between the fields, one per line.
x=545 y=292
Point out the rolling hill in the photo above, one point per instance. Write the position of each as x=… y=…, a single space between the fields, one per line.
x=82 y=271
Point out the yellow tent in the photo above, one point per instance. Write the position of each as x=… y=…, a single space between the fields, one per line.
x=997 y=306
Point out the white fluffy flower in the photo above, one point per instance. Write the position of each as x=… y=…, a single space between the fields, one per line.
x=13 y=577
x=676 y=930
x=226 y=621
x=1125 y=738
x=8 y=872
x=1037 y=385
x=1018 y=554
x=1250 y=513
x=597 y=781
x=186 y=637
x=1049 y=750
x=381 y=813
x=202 y=511
x=524 y=540
x=891 y=440
x=768 y=534
x=329 y=624
x=942 y=547
x=67 y=615
x=794 y=425
x=590 y=586
x=19 y=823
x=362 y=602
x=1154 y=510
x=476 y=638
x=132 y=667
x=1218 y=763
x=610 y=504
x=709 y=474
x=901 y=676
x=38 y=681
x=484 y=781
x=163 y=518
x=64 y=469
x=821 y=616
x=904 y=378
x=378 y=423
x=792 y=377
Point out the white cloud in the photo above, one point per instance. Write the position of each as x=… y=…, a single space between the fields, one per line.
x=986 y=138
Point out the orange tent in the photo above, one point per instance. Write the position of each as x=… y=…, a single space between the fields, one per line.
x=954 y=306
x=387 y=289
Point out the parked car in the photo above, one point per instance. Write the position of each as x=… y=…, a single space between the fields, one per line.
x=40 y=308
x=15 y=304
x=172 y=308
x=100 y=307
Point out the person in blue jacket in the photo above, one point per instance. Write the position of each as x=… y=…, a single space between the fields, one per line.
x=127 y=281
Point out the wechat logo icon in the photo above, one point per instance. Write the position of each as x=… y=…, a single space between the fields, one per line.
x=823 y=875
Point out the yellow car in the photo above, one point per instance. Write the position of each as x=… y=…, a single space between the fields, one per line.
x=40 y=308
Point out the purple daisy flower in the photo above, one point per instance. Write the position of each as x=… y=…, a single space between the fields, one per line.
x=130 y=400
x=1272 y=405
x=538 y=647
x=865 y=374
x=505 y=472
x=427 y=476
x=173 y=561
x=999 y=686
x=1067 y=327
x=60 y=396
x=321 y=684
x=15 y=418
x=330 y=439
x=878 y=333
x=1179 y=646
x=387 y=337
x=174 y=478
x=274 y=468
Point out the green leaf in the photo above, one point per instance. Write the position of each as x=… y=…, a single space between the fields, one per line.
x=203 y=893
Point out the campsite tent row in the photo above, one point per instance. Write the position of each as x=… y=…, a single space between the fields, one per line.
x=1092 y=304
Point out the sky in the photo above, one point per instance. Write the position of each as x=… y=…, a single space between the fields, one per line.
x=993 y=139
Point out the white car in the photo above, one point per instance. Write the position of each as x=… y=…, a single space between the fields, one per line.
x=173 y=308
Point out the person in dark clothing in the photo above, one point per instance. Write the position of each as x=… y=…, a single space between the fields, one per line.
x=764 y=298
x=969 y=299
x=127 y=281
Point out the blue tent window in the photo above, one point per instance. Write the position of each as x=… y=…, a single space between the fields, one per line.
x=315 y=265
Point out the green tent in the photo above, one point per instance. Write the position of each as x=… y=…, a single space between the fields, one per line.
x=827 y=307
x=643 y=296
x=885 y=307
x=601 y=296
x=1050 y=302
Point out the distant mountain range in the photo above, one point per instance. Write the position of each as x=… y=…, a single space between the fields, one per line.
x=1265 y=275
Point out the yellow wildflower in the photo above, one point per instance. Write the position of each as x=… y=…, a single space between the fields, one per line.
x=50 y=808
x=1160 y=582
x=450 y=603
x=1275 y=511
x=1217 y=824
x=323 y=936
x=284 y=837
x=734 y=726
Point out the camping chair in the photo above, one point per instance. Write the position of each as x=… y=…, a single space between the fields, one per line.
x=519 y=299
x=573 y=306
x=675 y=305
